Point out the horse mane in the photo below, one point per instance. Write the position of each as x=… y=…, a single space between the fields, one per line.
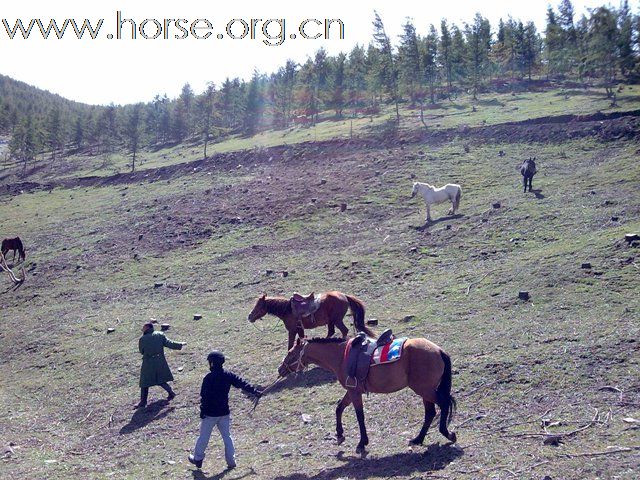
x=277 y=305
x=326 y=340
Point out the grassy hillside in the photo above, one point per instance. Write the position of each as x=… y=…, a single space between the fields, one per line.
x=490 y=109
x=211 y=238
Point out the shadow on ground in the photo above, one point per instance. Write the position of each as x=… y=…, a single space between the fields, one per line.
x=538 y=194
x=435 y=458
x=144 y=416
x=226 y=474
x=312 y=377
x=421 y=228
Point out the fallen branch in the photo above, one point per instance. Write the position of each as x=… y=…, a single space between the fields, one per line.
x=478 y=281
x=5 y=267
x=596 y=454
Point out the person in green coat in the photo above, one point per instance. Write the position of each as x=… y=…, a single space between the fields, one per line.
x=155 y=369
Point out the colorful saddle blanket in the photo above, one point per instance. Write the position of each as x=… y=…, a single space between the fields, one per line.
x=391 y=352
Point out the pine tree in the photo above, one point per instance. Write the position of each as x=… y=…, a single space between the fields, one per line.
x=132 y=132
x=78 y=137
x=409 y=63
x=388 y=70
x=429 y=62
x=206 y=114
x=356 y=77
x=478 y=37
x=337 y=100
x=254 y=106
x=625 y=39
x=553 y=44
x=445 y=56
x=54 y=132
x=602 y=41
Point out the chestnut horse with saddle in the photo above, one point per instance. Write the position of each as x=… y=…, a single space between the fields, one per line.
x=299 y=313
x=395 y=364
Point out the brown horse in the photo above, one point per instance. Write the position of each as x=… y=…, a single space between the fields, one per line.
x=14 y=244
x=333 y=307
x=423 y=367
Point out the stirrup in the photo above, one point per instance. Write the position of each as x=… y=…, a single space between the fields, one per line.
x=354 y=385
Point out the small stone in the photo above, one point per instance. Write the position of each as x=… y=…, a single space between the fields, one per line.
x=408 y=318
x=522 y=295
x=323 y=181
x=306 y=418
x=285 y=274
x=585 y=266
x=180 y=369
x=268 y=272
x=197 y=316
x=496 y=205
x=111 y=330
x=140 y=236
x=158 y=285
x=615 y=219
x=343 y=207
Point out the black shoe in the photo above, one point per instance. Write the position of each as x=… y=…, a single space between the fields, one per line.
x=197 y=463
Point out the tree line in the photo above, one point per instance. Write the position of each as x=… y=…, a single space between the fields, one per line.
x=601 y=46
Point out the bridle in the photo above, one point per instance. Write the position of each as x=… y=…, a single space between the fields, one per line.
x=298 y=364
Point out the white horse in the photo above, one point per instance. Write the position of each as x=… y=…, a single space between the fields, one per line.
x=433 y=195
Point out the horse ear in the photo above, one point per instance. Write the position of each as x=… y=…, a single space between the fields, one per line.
x=264 y=295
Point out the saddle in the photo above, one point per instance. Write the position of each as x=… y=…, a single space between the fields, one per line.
x=304 y=306
x=359 y=352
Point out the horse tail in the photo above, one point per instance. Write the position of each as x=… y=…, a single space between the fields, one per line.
x=357 y=309
x=444 y=399
x=458 y=195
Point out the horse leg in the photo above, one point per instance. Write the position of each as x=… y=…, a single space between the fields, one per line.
x=292 y=338
x=343 y=328
x=331 y=329
x=429 y=413
x=530 y=182
x=524 y=181
x=356 y=399
x=342 y=404
x=428 y=214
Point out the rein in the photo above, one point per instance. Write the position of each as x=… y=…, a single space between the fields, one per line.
x=269 y=387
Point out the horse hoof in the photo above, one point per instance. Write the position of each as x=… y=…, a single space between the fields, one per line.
x=340 y=440
x=415 y=441
x=361 y=451
x=453 y=438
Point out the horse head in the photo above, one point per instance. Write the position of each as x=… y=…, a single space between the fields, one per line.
x=294 y=360
x=415 y=189
x=259 y=310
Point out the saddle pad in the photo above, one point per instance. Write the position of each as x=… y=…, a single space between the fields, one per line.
x=388 y=353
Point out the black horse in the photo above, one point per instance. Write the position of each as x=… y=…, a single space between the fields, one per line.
x=528 y=170
x=14 y=244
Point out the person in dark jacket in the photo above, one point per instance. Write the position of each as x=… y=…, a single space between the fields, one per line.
x=214 y=408
x=155 y=369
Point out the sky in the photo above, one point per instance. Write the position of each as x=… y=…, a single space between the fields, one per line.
x=125 y=70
